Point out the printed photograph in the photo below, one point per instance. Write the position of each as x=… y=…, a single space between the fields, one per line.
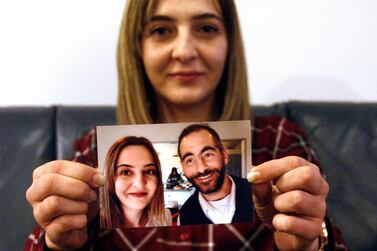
x=175 y=174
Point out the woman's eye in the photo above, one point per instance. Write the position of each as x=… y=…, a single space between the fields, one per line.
x=150 y=172
x=125 y=172
x=209 y=29
x=160 y=31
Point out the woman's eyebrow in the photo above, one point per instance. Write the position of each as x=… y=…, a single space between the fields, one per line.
x=150 y=165
x=131 y=166
x=208 y=15
x=125 y=165
x=161 y=18
x=195 y=17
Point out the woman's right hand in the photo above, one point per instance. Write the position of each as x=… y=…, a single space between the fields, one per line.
x=64 y=200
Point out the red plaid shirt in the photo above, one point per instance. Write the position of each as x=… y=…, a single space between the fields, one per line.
x=273 y=138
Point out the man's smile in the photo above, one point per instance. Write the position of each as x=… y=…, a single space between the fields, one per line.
x=205 y=178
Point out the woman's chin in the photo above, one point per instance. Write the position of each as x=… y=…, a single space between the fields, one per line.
x=135 y=204
x=187 y=100
x=136 y=207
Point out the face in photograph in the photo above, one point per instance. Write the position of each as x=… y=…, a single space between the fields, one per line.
x=202 y=161
x=135 y=178
x=132 y=195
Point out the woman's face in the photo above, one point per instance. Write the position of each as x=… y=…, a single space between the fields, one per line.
x=184 y=49
x=135 y=178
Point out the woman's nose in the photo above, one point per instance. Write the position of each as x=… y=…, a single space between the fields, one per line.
x=185 y=47
x=138 y=181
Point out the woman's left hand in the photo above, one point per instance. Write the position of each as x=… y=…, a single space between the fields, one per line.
x=289 y=196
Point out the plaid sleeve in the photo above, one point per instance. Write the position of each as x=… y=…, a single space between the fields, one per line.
x=35 y=240
x=277 y=137
x=85 y=149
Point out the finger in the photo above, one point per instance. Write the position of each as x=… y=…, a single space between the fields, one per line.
x=271 y=170
x=75 y=170
x=76 y=239
x=67 y=223
x=285 y=241
x=262 y=193
x=56 y=184
x=54 y=206
x=301 y=203
x=307 y=178
x=67 y=229
x=263 y=202
x=307 y=228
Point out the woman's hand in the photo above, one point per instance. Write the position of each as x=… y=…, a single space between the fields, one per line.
x=290 y=197
x=63 y=196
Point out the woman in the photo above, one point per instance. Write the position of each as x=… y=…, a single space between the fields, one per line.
x=133 y=194
x=178 y=61
x=174 y=179
x=202 y=78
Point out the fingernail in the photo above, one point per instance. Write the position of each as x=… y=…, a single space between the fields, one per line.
x=99 y=179
x=253 y=176
x=92 y=196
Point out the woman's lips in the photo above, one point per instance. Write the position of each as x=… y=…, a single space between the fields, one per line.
x=138 y=194
x=186 y=76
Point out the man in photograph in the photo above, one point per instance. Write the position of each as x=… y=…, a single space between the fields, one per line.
x=219 y=197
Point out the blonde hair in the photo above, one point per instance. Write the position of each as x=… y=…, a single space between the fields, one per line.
x=136 y=97
x=111 y=214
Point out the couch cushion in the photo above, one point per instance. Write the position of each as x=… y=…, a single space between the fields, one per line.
x=27 y=141
x=279 y=109
x=344 y=136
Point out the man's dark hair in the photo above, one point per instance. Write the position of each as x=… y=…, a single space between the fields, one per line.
x=197 y=127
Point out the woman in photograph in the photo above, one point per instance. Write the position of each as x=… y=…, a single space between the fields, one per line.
x=183 y=61
x=133 y=192
x=174 y=179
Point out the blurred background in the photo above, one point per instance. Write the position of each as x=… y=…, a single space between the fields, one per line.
x=63 y=51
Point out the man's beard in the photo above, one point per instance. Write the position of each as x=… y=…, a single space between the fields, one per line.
x=218 y=183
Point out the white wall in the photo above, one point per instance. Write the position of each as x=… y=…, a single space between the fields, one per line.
x=63 y=51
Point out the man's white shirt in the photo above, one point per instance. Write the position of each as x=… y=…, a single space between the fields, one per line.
x=220 y=211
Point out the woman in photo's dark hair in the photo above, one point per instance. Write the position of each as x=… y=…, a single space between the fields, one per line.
x=174 y=179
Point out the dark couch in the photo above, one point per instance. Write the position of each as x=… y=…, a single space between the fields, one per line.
x=344 y=136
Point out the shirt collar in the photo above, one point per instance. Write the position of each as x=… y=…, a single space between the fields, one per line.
x=210 y=207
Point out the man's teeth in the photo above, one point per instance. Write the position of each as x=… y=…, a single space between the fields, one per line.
x=204 y=177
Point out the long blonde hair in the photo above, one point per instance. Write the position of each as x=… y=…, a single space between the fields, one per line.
x=136 y=97
x=111 y=210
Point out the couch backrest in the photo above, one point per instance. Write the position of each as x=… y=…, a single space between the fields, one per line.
x=344 y=136
x=27 y=139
